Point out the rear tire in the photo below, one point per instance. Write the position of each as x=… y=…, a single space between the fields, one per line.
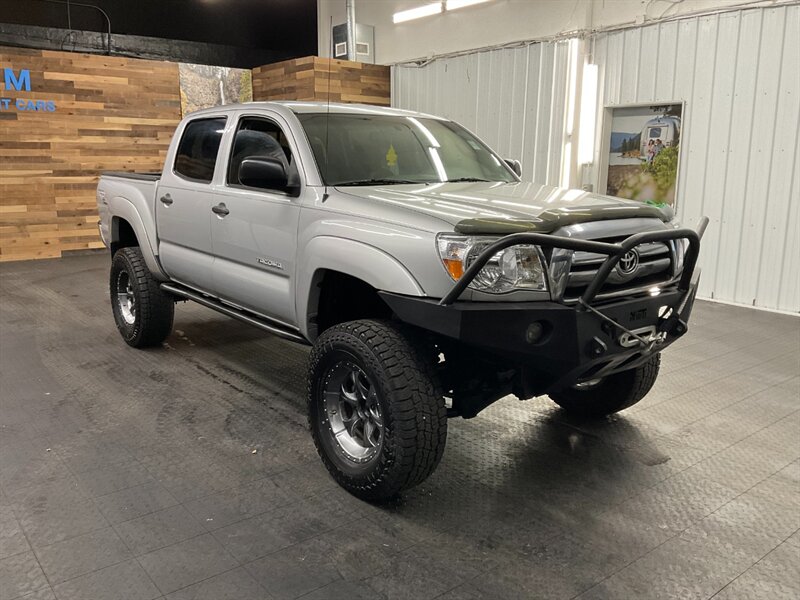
x=142 y=311
x=375 y=408
x=612 y=394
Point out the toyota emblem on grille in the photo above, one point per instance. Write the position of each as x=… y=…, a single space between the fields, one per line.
x=628 y=263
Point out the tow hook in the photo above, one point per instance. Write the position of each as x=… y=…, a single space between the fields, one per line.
x=597 y=347
x=646 y=335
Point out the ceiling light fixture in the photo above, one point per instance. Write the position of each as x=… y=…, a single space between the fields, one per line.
x=426 y=10
x=456 y=4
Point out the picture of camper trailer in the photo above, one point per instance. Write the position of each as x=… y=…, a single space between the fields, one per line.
x=643 y=152
x=664 y=128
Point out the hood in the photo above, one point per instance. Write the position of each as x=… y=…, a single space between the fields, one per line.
x=502 y=208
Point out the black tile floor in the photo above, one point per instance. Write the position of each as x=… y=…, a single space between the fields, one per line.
x=186 y=472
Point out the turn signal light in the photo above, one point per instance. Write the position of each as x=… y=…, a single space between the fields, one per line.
x=454 y=267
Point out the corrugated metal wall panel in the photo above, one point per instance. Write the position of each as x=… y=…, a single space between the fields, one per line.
x=783 y=195
x=740 y=78
x=512 y=98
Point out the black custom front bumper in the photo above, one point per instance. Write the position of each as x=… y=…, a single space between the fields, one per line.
x=556 y=344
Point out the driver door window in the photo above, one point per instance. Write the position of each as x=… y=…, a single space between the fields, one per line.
x=260 y=138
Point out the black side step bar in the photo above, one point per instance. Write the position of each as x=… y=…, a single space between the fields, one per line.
x=264 y=323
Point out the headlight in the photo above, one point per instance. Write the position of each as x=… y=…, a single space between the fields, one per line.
x=515 y=268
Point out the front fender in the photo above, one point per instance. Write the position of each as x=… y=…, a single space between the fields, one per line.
x=357 y=259
x=123 y=208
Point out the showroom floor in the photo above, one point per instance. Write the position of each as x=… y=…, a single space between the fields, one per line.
x=187 y=471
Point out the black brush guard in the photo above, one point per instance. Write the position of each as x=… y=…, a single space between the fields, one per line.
x=613 y=251
x=581 y=341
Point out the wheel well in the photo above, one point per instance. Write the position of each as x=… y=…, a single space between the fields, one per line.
x=122 y=235
x=339 y=297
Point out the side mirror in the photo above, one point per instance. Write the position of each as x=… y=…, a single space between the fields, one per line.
x=261 y=172
x=515 y=165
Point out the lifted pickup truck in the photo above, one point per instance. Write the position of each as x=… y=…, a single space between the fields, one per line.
x=430 y=280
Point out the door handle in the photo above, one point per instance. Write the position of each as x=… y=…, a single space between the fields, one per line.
x=220 y=209
x=166 y=200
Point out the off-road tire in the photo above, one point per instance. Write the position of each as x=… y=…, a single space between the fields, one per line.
x=155 y=309
x=612 y=394
x=396 y=360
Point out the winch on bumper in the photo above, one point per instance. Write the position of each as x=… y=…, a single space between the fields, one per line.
x=556 y=344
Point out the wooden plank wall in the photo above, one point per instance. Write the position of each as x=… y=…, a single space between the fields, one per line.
x=111 y=113
x=308 y=79
x=116 y=114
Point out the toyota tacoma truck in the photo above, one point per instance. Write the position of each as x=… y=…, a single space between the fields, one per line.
x=429 y=279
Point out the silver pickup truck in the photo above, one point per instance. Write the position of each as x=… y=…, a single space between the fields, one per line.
x=430 y=280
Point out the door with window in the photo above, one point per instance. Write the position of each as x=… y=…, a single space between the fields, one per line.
x=255 y=239
x=184 y=202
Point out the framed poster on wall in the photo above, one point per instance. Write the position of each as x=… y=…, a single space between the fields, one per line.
x=205 y=86
x=642 y=152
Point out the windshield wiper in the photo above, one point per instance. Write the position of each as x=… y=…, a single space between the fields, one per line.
x=377 y=182
x=466 y=179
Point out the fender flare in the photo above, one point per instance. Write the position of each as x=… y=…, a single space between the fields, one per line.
x=123 y=208
x=373 y=266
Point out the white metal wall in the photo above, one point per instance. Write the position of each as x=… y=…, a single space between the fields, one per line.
x=739 y=74
x=512 y=98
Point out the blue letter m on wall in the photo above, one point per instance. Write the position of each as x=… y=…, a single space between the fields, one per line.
x=13 y=81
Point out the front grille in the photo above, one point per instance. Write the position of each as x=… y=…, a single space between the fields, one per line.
x=655 y=266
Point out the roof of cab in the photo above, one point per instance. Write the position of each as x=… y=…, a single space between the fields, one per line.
x=299 y=107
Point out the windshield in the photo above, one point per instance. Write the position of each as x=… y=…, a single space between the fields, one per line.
x=384 y=149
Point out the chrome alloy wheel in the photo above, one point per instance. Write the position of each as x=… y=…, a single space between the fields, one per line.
x=352 y=411
x=126 y=299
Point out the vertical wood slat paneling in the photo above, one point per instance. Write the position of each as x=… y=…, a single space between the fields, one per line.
x=112 y=113
x=512 y=98
x=738 y=74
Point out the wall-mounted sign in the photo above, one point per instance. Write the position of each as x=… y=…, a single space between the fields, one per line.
x=643 y=145
x=15 y=81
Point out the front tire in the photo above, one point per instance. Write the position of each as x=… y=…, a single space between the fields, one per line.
x=375 y=408
x=142 y=311
x=611 y=394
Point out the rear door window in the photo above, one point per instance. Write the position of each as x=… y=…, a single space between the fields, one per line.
x=198 y=149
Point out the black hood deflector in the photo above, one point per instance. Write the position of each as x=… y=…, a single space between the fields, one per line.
x=553 y=219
